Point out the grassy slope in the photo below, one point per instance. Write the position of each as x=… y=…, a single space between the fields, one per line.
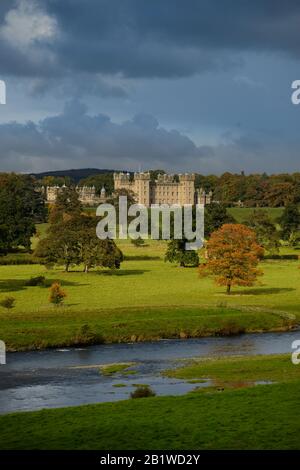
x=241 y=213
x=142 y=300
x=262 y=417
x=276 y=367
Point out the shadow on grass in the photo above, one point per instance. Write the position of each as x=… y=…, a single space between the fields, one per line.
x=14 y=285
x=141 y=258
x=264 y=291
x=123 y=272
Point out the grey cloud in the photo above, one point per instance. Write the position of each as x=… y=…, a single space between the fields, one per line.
x=75 y=138
x=170 y=38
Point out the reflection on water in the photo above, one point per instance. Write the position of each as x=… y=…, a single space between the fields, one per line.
x=54 y=378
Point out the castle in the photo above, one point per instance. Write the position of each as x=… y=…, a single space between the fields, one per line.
x=86 y=194
x=166 y=189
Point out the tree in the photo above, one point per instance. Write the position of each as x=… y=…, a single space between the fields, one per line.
x=73 y=241
x=266 y=233
x=61 y=246
x=232 y=256
x=67 y=206
x=57 y=295
x=290 y=223
x=105 y=180
x=21 y=206
x=114 y=200
x=93 y=251
x=176 y=253
x=215 y=216
x=8 y=302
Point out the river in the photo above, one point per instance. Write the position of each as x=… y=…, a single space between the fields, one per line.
x=69 y=377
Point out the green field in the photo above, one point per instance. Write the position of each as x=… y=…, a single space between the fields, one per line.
x=240 y=370
x=233 y=414
x=241 y=213
x=146 y=299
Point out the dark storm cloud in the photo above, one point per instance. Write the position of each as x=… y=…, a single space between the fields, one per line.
x=142 y=38
x=74 y=138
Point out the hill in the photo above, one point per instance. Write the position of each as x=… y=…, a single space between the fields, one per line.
x=75 y=174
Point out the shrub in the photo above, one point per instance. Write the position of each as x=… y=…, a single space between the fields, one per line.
x=57 y=295
x=289 y=257
x=86 y=335
x=8 y=302
x=138 y=242
x=143 y=392
x=230 y=328
x=19 y=259
x=36 y=281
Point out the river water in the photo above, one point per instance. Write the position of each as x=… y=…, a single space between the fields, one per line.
x=69 y=377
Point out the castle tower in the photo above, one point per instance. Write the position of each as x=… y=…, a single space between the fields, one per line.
x=142 y=188
x=186 y=193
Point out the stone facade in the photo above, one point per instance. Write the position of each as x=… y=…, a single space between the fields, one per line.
x=87 y=194
x=164 y=190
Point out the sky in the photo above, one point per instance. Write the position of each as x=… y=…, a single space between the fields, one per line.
x=185 y=86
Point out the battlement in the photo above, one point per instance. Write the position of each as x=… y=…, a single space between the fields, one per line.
x=121 y=176
x=186 y=177
x=166 y=189
x=142 y=176
x=86 y=194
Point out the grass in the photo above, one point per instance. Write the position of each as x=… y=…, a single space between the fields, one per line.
x=242 y=213
x=147 y=299
x=275 y=368
x=262 y=417
x=143 y=301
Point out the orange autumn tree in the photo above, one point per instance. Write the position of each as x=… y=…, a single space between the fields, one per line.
x=232 y=256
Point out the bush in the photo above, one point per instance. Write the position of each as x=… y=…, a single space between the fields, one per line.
x=8 y=302
x=57 y=295
x=282 y=257
x=143 y=392
x=230 y=328
x=19 y=259
x=138 y=242
x=86 y=335
x=36 y=281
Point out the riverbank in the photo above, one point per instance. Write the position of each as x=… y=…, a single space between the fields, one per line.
x=260 y=417
x=76 y=376
x=146 y=300
x=62 y=327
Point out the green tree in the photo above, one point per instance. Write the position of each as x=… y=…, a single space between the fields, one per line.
x=21 y=206
x=290 y=223
x=266 y=233
x=67 y=205
x=93 y=251
x=176 y=253
x=215 y=216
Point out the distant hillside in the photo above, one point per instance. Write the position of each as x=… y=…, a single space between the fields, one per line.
x=76 y=175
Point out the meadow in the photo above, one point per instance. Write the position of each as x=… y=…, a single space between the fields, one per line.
x=237 y=417
x=146 y=299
